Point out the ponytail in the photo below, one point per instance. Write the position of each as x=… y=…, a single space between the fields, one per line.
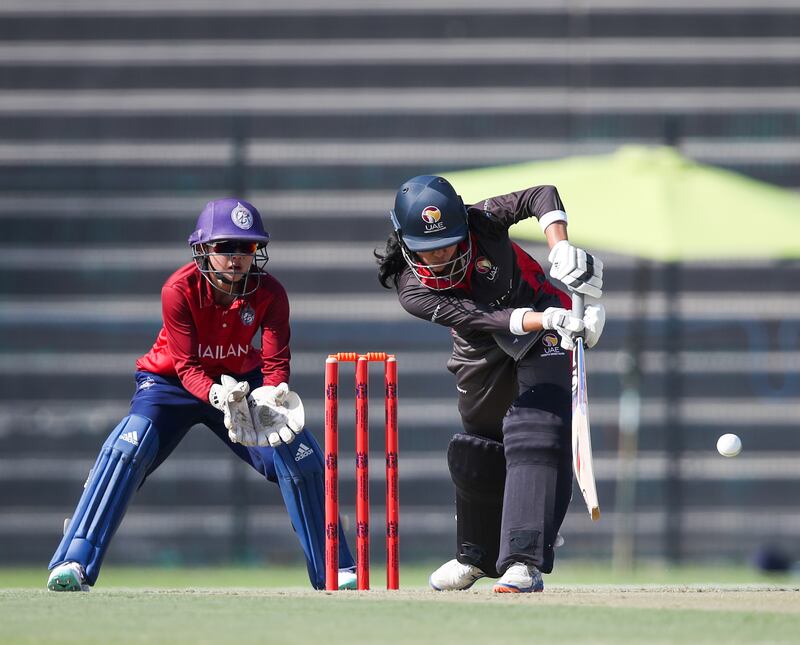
x=391 y=264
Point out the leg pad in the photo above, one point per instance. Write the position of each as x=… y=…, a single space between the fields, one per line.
x=535 y=435
x=121 y=466
x=478 y=470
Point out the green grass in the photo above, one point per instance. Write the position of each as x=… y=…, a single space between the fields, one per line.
x=136 y=617
x=272 y=605
x=412 y=576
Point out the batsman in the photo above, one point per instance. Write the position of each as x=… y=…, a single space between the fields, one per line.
x=512 y=331
x=204 y=368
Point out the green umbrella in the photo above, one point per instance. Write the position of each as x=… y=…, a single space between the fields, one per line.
x=653 y=203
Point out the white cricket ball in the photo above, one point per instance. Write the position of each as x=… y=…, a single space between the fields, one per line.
x=729 y=445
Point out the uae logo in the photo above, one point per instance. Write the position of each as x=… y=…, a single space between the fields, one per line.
x=551 y=345
x=431 y=215
x=242 y=217
x=484 y=266
x=247 y=315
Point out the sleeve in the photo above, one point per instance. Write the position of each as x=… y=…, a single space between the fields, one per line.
x=452 y=310
x=181 y=342
x=541 y=202
x=275 y=335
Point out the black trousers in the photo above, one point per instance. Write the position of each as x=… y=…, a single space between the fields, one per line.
x=525 y=405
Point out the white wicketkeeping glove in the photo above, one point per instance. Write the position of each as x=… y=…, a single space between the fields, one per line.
x=567 y=324
x=230 y=396
x=277 y=414
x=577 y=269
x=594 y=319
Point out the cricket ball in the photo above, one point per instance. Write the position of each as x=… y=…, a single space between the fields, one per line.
x=729 y=445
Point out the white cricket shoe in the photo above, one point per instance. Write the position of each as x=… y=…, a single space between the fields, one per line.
x=454 y=576
x=520 y=578
x=347 y=579
x=69 y=576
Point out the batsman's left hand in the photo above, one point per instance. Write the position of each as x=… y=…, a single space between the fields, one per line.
x=578 y=270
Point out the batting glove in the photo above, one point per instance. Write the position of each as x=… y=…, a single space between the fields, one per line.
x=577 y=269
x=594 y=319
x=563 y=321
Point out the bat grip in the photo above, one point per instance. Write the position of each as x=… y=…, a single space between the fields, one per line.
x=577 y=306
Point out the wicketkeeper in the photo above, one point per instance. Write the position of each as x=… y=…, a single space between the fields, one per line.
x=204 y=369
x=512 y=334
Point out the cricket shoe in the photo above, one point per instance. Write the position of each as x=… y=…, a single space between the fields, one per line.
x=454 y=576
x=520 y=578
x=69 y=576
x=347 y=579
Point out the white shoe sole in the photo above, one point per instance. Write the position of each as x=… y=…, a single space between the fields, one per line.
x=435 y=588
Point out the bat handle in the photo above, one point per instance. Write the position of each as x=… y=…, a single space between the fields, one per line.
x=577 y=304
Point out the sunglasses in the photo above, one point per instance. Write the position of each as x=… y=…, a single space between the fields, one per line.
x=234 y=247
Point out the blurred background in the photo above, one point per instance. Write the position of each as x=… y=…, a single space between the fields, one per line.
x=119 y=120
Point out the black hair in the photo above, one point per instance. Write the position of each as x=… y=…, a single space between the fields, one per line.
x=391 y=263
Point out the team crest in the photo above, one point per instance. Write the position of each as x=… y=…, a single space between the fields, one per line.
x=146 y=384
x=484 y=266
x=551 y=346
x=242 y=217
x=431 y=216
x=247 y=315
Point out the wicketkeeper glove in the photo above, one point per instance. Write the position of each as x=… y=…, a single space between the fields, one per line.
x=277 y=414
x=578 y=270
x=230 y=396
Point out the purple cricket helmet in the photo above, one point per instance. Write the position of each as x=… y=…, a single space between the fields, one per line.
x=230 y=221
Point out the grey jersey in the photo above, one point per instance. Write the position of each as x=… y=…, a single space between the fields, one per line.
x=501 y=276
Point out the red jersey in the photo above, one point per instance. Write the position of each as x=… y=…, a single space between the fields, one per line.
x=201 y=340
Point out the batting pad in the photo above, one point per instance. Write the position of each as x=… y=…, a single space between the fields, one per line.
x=121 y=466
x=478 y=470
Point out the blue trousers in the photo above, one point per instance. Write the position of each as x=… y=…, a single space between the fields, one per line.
x=161 y=413
x=173 y=411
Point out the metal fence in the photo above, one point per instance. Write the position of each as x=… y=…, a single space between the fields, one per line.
x=117 y=125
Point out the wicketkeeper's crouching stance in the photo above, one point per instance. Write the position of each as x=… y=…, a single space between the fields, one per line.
x=203 y=369
x=512 y=331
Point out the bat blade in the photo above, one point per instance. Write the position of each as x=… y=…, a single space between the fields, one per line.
x=581 y=435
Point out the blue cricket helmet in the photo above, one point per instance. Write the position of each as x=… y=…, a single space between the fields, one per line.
x=428 y=214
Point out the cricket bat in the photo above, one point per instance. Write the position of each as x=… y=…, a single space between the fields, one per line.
x=581 y=435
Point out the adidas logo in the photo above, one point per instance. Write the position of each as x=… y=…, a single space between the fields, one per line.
x=131 y=437
x=303 y=451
